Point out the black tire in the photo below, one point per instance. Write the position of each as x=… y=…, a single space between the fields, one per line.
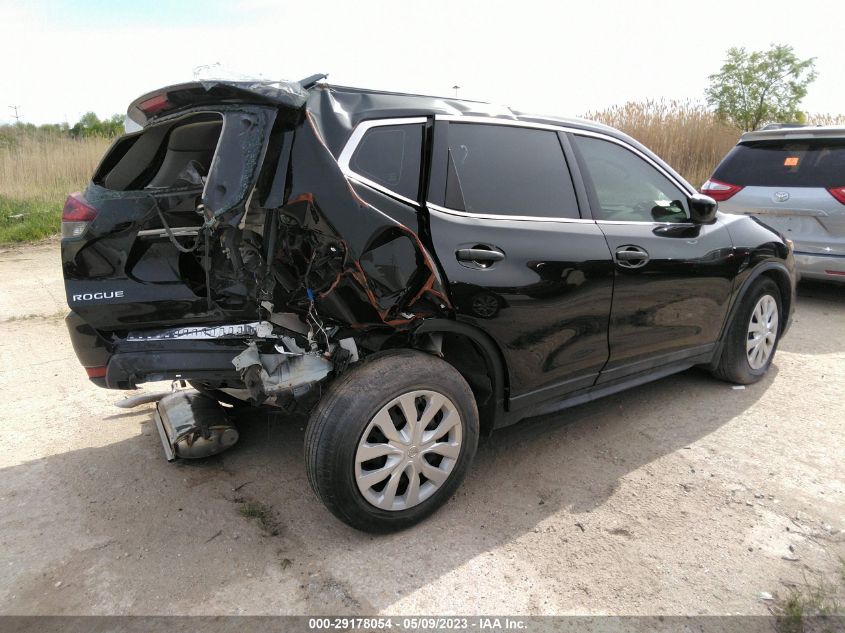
x=343 y=414
x=733 y=365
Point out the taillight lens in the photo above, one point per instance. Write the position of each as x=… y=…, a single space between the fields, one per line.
x=838 y=193
x=154 y=104
x=95 y=372
x=718 y=190
x=77 y=215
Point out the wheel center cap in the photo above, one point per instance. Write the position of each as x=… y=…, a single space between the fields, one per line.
x=412 y=452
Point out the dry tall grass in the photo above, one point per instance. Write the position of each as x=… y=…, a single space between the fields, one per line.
x=826 y=119
x=38 y=170
x=684 y=134
x=47 y=168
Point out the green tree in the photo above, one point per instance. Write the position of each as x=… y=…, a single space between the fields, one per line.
x=760 y=86
x=90 y=124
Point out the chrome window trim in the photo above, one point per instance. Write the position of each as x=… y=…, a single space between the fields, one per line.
x=492 y=216
x=496 y=216
x=352 y=144
x=358 y=133
x=564 y=128
x=687 y=223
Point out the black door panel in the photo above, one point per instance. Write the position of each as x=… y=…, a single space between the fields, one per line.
x=546 y=303
x=673 y=278
x=676 y=300
x=521 y=262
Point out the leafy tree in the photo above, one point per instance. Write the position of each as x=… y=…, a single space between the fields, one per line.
x=90 y=124
x=760 y=86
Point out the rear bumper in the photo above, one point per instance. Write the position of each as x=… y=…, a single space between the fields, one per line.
x=92 y=350
x=125 y=364
x=817 y=266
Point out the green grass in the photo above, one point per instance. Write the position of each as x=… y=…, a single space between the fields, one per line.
x=261 y=513
x=28 y=220
x=815 y=598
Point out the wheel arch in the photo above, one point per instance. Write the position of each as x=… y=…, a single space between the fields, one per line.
x=777 y=272
x=456 y=335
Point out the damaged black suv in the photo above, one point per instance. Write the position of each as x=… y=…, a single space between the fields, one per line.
x=417 y=271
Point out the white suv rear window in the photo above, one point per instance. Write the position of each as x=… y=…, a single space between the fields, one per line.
x=783 y=163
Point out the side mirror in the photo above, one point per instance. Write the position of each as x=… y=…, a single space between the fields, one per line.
x=702 y=209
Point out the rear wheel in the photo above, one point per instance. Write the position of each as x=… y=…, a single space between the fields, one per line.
x=391 y=440
x=753 y=336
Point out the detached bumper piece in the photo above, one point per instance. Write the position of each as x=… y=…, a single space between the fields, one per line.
x=192 y=426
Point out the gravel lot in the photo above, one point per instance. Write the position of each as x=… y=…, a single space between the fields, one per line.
x=684 y=496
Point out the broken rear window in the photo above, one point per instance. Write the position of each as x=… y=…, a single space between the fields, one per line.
x=171 y=155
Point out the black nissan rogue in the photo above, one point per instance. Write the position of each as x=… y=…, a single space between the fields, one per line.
x=416 y=271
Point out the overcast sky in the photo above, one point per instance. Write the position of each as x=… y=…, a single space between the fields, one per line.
x=61 y=58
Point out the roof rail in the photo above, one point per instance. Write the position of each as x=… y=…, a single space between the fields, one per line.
x=783 y=126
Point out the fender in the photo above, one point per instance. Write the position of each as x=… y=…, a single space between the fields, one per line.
x=492 y=358
x=788 y=300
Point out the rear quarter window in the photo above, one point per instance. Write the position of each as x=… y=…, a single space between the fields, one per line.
x=782 y=163
x=390 y=156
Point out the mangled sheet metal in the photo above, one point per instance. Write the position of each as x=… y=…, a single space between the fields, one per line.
x=340 y=253
x=264 y=229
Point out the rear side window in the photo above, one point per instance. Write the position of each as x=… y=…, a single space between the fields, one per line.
x=783 y=163
x=505 y=170
x=390 y=156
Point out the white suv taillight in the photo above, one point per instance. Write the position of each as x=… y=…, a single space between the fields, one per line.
x=718 y=190
x=838 y=193
x=77 y=215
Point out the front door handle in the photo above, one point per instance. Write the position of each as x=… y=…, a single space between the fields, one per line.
x=479 y=255
x=631 y=257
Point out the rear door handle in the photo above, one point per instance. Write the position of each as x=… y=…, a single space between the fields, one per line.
x=631 y=257
x=479 y=255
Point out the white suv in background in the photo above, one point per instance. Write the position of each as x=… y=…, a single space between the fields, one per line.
x=792 y=179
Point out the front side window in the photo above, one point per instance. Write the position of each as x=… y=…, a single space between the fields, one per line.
x=508 y=170
x=390 y=156
x=627 y=188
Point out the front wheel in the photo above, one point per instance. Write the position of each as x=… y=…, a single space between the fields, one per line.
x=391 y=440
x=752 y=338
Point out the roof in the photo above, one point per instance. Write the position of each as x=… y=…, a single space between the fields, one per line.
x=354 y=105
x=806 y=132
x=348 y=106
x=371 y=103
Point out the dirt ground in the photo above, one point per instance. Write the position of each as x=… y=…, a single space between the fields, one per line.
x=684 y=496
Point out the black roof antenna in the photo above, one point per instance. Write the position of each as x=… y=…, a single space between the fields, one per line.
x=311 y=81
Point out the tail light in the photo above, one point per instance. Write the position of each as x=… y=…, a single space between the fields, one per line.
x=77 y=215
x=838 y=193
x=154 y=104
x=718 y=190
x=95 y=372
